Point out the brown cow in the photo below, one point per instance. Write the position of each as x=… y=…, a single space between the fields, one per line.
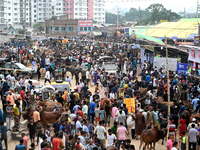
x=49 y=104
x=46 y=117
x=49 y=109
x=143 y=91
x=150 y=136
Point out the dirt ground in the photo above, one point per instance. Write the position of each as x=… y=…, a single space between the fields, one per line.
x=12 y=144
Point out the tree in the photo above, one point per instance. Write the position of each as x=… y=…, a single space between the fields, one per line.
x=159 y=12
x=94 y=21
x=38 y=25
x=112 y=18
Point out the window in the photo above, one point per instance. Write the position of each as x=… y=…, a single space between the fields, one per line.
x=15 y=14
x=70 y=29
x=9 y=19
x=63 y=29
x=85 y=28
x=15 y=3
x=40 y=14
x=9 y=14
x=8 y=8
x=34 y=6
x=81 y=28
x=15 y=8
x=34 y=16
x=75 y=13
x=34 y=11
x=50 y=28
x=15 y=19
x=89 y=28
x=40 y=18
x=56 y=29
x=34 y=20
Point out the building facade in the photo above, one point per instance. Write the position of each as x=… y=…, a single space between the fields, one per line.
x=58 y=7
x=86 y=9
x=84 y=26
x=2 y=21
x=35 y=10
x=61 y=26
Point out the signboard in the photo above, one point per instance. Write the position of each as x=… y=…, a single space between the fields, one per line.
x=160 y=62
x=182 y=67
x=130 y=104
x=126 y=30
x=194 y=55
x=85 y=23
x=82 y=32
x=163 y=20
x=196 y=40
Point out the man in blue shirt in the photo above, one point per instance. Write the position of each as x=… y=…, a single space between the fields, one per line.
x=92 y=107
x=148 y=77
x=20 y=146
x=68 y=80
x=194 y=103
x=182 y=108
x=57 y=125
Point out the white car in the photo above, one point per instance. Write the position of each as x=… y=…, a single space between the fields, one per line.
x=110 y=68
x=36 y=84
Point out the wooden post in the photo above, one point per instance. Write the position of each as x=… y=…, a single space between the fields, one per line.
x=167 y=88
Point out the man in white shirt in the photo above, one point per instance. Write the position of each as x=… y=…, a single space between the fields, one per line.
x=101 y=133
x=78 y=125
x=111 y=138
x=47 y=77
x=147 y=101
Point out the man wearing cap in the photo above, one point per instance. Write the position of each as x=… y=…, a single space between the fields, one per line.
x=193 y=122
x=56 y=108
x=139 y=123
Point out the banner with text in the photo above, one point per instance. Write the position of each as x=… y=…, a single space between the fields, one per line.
x=130 y=104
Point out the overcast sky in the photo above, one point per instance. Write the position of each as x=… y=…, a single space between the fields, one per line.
x=174 y=5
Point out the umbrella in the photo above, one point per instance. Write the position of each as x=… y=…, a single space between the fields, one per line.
x=175 y=38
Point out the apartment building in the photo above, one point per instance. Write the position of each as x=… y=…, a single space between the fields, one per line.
x=86 y=9
x=2 y=21
x=58 y=7
x=35 y=10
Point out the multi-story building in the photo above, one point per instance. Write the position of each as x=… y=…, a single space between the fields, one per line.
x=2 y=21
x=58 y=7
x=35 y=10
x=86 y=9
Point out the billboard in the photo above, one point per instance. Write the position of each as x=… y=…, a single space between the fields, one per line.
x=194 y=55
x=182 y=67
x=160 y=62
x=85 y=23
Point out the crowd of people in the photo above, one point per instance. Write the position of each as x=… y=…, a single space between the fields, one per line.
x=95 y=115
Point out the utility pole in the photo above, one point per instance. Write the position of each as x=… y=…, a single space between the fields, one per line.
x=24 y=18
x=184 y=13
x=117 y=18
x=167 y=87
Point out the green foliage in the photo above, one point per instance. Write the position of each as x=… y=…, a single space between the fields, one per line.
x=152 y=15
x=112 y=18
x=159 y=12
x=38 y=25
x=21 y=31
x=94 y=21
